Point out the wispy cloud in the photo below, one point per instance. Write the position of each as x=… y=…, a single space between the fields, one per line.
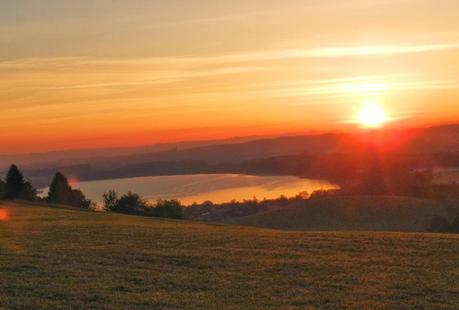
x=272 y=55
x=311 y=5
x=327 y=90
x=183 y=84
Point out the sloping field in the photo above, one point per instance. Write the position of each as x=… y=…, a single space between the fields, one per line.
x=380 y=213
x=64 y=259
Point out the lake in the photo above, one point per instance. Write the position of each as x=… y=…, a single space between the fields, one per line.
x=217 y=188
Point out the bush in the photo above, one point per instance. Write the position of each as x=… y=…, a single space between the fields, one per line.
x=79 y=200
x=324 y=193
x=129 y=203
x=167 y=209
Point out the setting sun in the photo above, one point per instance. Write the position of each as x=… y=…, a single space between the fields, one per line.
x=372 y=116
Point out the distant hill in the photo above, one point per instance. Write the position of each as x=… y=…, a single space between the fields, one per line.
x=419 y=141
x=433 y=139
x=377 y=213
x=104 y=155
x=327 y=156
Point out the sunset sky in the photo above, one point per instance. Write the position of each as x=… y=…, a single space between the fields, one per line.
x=78 y=74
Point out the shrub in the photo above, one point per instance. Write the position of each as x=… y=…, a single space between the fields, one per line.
x=79 y=200
x=324 y=193
x=132 y=203
x=129 y=203
x=167 y=209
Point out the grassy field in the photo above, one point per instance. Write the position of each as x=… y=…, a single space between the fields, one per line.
x=446 y=176
x=64 y=259
x=380 y=213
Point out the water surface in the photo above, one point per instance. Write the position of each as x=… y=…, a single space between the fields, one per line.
x=217 y=188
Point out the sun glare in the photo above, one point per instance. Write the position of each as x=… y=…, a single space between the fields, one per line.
x=3 y=214
x=372 y=116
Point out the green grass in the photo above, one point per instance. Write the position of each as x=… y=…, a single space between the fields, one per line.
x=376 y=213
x=54 y=258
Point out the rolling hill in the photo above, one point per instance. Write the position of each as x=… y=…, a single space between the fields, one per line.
x=69 y=259
x=309 y=156
x=377 y=213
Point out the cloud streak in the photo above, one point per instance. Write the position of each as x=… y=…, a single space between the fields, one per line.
x=273 y=55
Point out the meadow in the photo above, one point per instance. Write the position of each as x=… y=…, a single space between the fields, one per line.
x=57 y=258
x=359 y=212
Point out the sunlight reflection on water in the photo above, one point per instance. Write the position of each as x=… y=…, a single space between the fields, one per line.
x=217 y=188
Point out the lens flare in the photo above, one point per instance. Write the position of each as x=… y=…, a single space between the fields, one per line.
x=3 y=214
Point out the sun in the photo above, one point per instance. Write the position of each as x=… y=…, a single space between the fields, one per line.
x=372 y=116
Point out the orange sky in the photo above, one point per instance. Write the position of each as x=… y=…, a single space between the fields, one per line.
x=113 y=73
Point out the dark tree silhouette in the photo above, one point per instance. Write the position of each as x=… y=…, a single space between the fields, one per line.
x=61 y=192
x=111 y=199
x=168 y=209
x=79 y=200
x=129 y=203
x=132 y=203
x=2 y=189
x=16 y=187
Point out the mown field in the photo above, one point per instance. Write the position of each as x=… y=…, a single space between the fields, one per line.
x=54 y=258
x=374 y=213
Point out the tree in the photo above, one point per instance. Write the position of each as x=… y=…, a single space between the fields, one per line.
x=111 y=200
x=79 y=200
x=130 y=203
x=61 y=192
x=2 y=189
x=168 y=209
x=16 y=187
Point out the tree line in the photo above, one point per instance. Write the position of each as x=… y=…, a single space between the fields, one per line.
x=16 y=187
x=393 y=181
x=131 y=203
